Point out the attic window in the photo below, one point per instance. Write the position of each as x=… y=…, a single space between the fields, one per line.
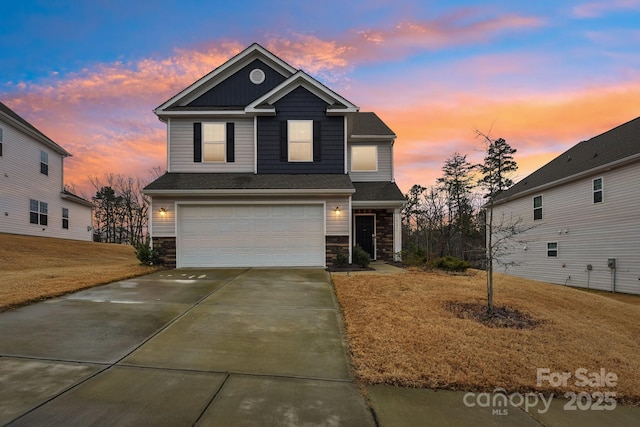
x=256 y=76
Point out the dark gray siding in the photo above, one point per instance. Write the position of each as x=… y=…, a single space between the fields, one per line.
x=301 y=104
x=237 y=90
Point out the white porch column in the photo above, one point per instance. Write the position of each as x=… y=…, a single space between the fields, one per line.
x=397 y=235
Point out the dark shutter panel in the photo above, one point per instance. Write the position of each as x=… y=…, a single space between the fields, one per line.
x=197 y=142
x=284 y=142
x=231 y=143
x=317 y=146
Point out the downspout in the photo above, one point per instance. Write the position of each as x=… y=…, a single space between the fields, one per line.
x=613 y=280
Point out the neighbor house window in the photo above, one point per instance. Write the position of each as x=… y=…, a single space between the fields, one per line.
x=0 y=142
x=44 y=162
x=65 y=218
x=300 y=134
x=597 y=190
x=364 y=158
x=552 y=249
x=214 y=141
x=537 y=207
x=38 y=212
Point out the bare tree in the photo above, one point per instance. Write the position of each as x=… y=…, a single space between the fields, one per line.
x=120 y=208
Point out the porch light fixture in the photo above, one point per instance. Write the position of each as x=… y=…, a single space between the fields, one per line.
x=163 y=211
x=337 y=210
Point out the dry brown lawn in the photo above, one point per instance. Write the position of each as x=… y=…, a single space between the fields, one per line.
x=400 y=332
x=35 y=268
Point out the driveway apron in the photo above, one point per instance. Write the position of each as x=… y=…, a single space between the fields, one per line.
x=182 y=347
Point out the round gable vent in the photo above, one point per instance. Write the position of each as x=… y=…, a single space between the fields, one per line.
x=256 y=76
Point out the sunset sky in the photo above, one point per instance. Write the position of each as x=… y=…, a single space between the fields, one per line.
x=543 y=75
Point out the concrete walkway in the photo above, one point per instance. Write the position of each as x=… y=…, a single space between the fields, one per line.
x=211 y=347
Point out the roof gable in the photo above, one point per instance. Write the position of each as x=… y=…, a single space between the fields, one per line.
x=615 y=146
x=224 y=71
x=336 y=103
x=238 y=90
x=26 y=127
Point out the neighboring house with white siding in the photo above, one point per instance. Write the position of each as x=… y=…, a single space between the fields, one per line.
x=266 y=166
x=32 y=196
x=584 y=207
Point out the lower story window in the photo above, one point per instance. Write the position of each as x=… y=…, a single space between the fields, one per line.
x=552 y=250
x=65 y=218
x=38 y=212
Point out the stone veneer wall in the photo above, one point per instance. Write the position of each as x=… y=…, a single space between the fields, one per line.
x=166 y=249
x=384 y=232
x=334 y=244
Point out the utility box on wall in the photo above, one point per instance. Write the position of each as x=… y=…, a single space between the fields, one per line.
x=611 y=263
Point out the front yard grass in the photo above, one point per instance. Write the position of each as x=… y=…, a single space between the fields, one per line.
x=401 y=331
x=36 y=268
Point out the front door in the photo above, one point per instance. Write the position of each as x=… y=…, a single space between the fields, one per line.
x=365 y=232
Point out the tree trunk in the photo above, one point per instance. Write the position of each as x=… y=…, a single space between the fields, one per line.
x=490 y=261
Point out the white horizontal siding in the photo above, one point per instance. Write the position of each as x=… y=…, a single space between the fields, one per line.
x=337 y=223
x=163 y=226
x=384 y=172
x=21 y=180
x=586 y=233
x=181 y=147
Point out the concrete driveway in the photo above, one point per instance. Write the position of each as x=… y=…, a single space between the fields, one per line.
x=182 y=347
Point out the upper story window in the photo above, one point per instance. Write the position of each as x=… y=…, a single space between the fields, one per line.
x=38 y=212
x=65 y=218
x=44 y=162
x=214 y=142
x=537 y=207
x=597 y=190
x=0 y=142
x=364 y=158
x=300 y=133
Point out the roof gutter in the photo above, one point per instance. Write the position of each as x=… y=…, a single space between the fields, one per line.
x=378 y=204
x=250 y=192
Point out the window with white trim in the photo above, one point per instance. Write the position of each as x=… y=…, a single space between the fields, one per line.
x=552 y=249
x=214 y=142
x=44 y=162
x=364 y=158
x=38 y=212
x=537 y=208
x=300 y=134
x=65 y=218
x=597 y=190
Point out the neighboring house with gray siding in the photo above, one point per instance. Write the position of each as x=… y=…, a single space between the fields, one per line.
x=32 y=196
x=266 y=166
x=584 y=209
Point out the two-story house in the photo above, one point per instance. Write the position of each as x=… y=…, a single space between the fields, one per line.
x=33 y=200
x=581 y=211
x=266 y=166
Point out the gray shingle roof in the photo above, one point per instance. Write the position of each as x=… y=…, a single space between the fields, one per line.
x=377 y=191
x=249 y=181
x=368 y=124
x=612 y=146
x=45 y=139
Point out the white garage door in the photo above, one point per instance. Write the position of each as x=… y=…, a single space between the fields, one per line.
x=251 y=236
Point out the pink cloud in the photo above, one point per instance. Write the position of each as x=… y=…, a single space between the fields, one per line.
x=599 y=8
